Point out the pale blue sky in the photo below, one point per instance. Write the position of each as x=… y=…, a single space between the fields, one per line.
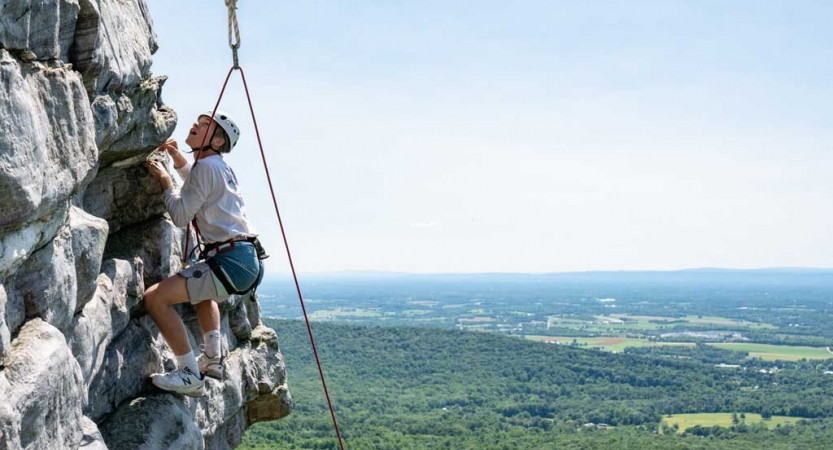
x=529 y=136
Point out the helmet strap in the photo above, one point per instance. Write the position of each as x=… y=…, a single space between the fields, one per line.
x=207 y=147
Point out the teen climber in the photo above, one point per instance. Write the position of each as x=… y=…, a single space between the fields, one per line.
x=229 y=260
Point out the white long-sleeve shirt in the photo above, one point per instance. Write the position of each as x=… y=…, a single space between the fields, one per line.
x=211 y=195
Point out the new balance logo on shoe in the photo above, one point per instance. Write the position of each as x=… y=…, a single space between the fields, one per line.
x=181 y=381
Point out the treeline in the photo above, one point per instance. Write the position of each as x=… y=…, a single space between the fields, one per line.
x=704 y=353
x=428 y=388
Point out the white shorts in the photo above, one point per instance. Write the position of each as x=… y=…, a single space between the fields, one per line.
x=202 y=284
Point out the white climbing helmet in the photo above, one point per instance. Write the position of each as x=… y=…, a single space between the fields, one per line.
x=227 y=124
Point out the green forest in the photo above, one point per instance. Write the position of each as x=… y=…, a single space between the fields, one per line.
x=424 y=388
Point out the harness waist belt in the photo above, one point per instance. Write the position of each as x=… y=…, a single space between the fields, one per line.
x=228 y=243
x=218 y=247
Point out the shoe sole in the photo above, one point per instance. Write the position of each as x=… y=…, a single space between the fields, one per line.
x=195 y=394
x=215 y=374
x=218 y=377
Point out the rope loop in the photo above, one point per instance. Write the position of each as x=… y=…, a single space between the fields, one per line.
x=232 y=26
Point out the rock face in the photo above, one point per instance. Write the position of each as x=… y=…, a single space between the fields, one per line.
x=83 y=232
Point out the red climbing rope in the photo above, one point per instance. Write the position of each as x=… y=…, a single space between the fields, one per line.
x=232 y=19
x=283 y=233
x=291 y=264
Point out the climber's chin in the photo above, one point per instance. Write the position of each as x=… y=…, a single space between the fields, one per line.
x=192 y=140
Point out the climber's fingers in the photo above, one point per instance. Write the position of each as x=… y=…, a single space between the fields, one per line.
x=169 y=146
x=156 y=169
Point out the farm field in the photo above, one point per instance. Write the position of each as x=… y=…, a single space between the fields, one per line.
x=722 y=420
x=602 y=324
x=342 y=313
x=649 y=323
x=696 y=320
x=610 y=344
x=769 y=352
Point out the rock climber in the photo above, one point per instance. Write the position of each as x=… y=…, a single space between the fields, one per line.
x=229 y=258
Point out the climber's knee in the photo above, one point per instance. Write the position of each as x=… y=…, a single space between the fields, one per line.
x=169 y=291
x=152 y=297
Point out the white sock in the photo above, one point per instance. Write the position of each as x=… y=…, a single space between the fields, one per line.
x=211 y=343
x=188 y=360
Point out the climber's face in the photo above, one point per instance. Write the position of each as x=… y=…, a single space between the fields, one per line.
x=202 y=127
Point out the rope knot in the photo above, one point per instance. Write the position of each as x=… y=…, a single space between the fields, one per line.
x=232 y=25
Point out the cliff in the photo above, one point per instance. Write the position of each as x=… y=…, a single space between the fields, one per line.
x=83 y=231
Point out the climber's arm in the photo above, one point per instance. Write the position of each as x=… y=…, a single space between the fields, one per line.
x=184 y=203
x=183 y=170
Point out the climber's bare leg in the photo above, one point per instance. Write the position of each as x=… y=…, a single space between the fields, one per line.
x=158 y=301
x=208 y=314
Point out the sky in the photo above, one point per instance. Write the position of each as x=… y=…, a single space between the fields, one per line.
x=530 y=136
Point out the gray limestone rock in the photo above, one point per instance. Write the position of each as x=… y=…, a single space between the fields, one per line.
x=92 y=439
x=46 y=285
x=268 y=406
x=253 y=309
x=43 y=27
x=132 y=122
x=157 y=242
x=89 y=234
x=5 y=335
x=42 y=391
x=114 y=41
x=126 y=367
x=124 y=196
x=47 y=146
x=103 y=318
x=9 y=429
x=15 y=313
x=156 y=421
x=15 y=248
x=19 y=244
x=228 y=434
x=265 y=379
x=239 y=322
x=254 y=390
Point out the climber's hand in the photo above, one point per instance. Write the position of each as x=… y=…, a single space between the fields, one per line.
x=156 y=169
x=169 y=146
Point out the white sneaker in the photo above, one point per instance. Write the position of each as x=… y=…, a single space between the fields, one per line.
x=181 y=381
x=211 y=367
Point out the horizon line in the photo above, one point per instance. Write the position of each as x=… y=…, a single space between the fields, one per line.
x=359 y=272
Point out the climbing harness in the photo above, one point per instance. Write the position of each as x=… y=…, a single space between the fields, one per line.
x=235 y=45
x=212 y=253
